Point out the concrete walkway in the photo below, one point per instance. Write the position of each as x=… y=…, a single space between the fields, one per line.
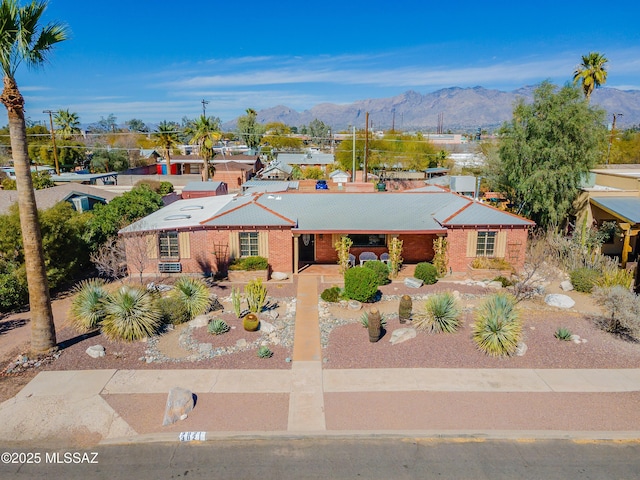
x=330 y=401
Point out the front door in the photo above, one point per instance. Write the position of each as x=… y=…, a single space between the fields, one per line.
x=306 y=247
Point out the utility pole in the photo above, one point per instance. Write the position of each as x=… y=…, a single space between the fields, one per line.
x=353 y=169
x=204 y=107
x=53 y=140
x=366 y=147
x=393 y=121
x=613 y=127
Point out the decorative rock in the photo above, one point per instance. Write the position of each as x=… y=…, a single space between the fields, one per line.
x=95 y=351
x=354 y=305
x=413 y=282
x=199 y=321
x=266 y=327
x=241 y=343
x=521 y=349
x=559 y=300
x=205 y=348
x=566 y=286
x=402 y=335
x=494 y=284
x=272 y=314
x=279 y=276
x=179 y=403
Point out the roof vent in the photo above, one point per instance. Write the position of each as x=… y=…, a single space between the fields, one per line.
x=191 y=207
x=177 y=217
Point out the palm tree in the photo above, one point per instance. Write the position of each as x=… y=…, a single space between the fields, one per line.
x=205 y=132
x=68 y=122
x=23 y=39
x=591 y=73
x=166 y=136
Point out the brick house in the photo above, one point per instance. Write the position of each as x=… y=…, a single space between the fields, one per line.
x=292 y=229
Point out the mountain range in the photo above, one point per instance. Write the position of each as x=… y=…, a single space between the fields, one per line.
x=456 y=109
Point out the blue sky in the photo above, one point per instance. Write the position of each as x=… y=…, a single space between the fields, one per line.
x=156 y=60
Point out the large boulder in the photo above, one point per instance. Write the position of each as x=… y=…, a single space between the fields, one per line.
x=402 y=335
x=559 y=300
x=413 y=282
x=566 y=286
x=179 y=404
x=95 y=351
x=279 y=276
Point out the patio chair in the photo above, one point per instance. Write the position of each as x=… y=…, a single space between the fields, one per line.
x=352 y=260
x=384 y=258
x=366 y=256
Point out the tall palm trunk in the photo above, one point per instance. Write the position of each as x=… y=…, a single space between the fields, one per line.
x=43 y=333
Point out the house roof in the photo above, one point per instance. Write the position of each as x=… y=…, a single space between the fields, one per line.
x=201 y=186
x=404 y=212
x=338 y=172
x=48 y=197
x=283 y=167
x=306 y=158
x=624 y=208
x=257 y=186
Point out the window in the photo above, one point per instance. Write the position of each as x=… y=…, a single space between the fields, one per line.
x=486 y=244
x=248 y=244
x=374 y=240
x=169 y=245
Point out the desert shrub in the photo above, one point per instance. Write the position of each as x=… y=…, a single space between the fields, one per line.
x=380 y=269
x=563 y=334
x=360 y=284
x=131 y=313
x=13 y=292
x=612 y=276
x=172 y=312
x=264 y=352
x=621 y=308
x=88 y=305
x=426 y=272
x=217 y=326
x=249 y=263
x=165 y=188
x=504 y=281
x=583 y=279
x=193 y=294
x=497 y=329
x=441 y=313
x=331 y=294
x=256 y=294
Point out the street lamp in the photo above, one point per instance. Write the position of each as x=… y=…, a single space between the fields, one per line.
x=53 y=140
x=613 y=127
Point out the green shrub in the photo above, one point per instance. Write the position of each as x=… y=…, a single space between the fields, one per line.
x=497 y=329
x=13 y=292
x=360 y=284
x=165 y=188
x=563 y=334
x=88 y=305
x=441 y=314
x=426 y=272
x=331 y=294
x=131 y=313
x=504 y=281
x=381 y=270
x=217 y=326
x=193 y=294
x=264 y=352
x=249 y=263
x=584 y=279
x=491 y=263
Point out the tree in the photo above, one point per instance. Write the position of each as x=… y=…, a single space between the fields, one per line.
x=205 y=132
x=249 y=130
x=319 y=132
x=278 y=137
x=591 y=73
x=545 y=151
x=23 y=38
x=109 y=160
x=136 y=125
x=103 y=125
x=166 y=137
x=68 y=122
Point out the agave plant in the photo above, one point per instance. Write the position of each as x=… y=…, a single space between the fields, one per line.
x=131 y=313
x=193 y=294
x=87 y=307
x=217 y=326
x=497 y=329
x=264 y=352
x=563 y=334
x=441 y=313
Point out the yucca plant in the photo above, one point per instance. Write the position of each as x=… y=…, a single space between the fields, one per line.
x=264 y=352
x=563 y=334
x=87 y=306
x=131 y=313
x=217 y=326
x=497 y=329
x=193 y=294
x=441 y=313
x=256 y=294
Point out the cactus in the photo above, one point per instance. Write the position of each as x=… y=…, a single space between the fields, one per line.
x=374 y=325
x=236 y=300
x=251 y=322
x=404 y=310
x=256 y=294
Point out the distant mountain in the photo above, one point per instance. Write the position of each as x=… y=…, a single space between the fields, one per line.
x=462 y=109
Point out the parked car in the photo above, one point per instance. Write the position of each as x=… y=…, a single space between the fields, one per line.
x=322 y=185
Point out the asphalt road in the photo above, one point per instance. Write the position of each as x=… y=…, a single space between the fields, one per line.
x=349 y=458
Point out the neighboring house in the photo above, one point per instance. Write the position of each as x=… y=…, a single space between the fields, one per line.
x=304 y=160
x=338 y=176
x=82 y=197
x=613 y=195
x=276 y=171
x=204 y=189
x=234 y=170
x=292 y=229
x=269 y=186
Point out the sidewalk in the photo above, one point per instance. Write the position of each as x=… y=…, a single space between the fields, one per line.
x=127 y=405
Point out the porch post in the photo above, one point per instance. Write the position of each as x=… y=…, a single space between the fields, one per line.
x=296 y=252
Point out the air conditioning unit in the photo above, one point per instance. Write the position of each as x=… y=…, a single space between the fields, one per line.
x=172 y=267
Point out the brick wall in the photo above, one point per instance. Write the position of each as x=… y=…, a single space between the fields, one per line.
x=281 y=250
